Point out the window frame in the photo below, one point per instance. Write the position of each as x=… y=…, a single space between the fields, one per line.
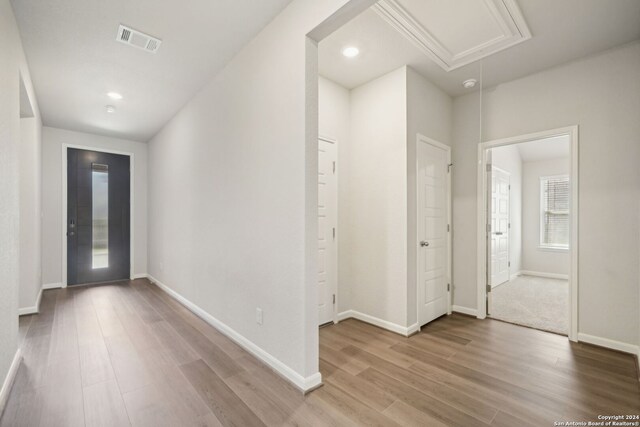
x=542 y=245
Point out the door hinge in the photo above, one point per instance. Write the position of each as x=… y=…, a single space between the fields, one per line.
x=488 y=228
x=334 y=233
x=334 y=298
x=488 y=288
x=509 y=186
x=448 y=287
x=449 y=167
x=509 y=225
x=334 y=168
x=509 y=264
x=488 y=167
x=448 y=228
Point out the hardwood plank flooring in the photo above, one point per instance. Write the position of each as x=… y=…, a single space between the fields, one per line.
x=103 y=405
x=127 y=354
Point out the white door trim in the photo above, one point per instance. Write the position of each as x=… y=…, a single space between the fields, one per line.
x=335 y=282
x=572 y=132
x=65 y=148
x=327 y=139
x=426 y=140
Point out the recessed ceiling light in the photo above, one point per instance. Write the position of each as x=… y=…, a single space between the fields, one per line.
x=114 y=95
x=111 y=109
x=468 y=84
x=350 y=51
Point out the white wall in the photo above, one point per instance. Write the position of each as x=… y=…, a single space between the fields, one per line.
x=233 y=192
x=533 y=257
x=14 y=64
x=466 y=137
x=508 y=159
x=600 y=95
x=377 y=189
x=30 y=212
x=333 y=123
x=52 y=140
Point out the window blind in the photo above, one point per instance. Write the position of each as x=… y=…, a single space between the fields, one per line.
x=555 y=211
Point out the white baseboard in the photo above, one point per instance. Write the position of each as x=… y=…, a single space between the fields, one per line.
x=31 y=310
x=612 y=344
x=384 y=324
x=305 y=384
x=412 y=329
x=547 y=275
x=8 y=381
x=344 y=315
x=465 y=310
x=25 y=311
x=514 y=275
x=36 y=308
x=141 y=276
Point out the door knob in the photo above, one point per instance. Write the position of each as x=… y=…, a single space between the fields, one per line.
x=424 y=243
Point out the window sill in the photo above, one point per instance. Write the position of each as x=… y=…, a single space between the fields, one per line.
x=553 y=249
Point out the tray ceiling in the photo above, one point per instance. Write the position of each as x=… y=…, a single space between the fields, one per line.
x=562 y=31
x=435 y=27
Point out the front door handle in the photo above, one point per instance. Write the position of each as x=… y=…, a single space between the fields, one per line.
x=498 y=233
x=424 y=244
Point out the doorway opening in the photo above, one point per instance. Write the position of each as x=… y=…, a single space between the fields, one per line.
x=527 y=238
x=97 y=215
x=384 y=138
x=29 y=158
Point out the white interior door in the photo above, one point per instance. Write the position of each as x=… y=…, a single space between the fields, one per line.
x=433 y=233
x=500 y=181
x=327 y=223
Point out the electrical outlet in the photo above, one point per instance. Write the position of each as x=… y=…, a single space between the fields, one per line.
x=259 y=316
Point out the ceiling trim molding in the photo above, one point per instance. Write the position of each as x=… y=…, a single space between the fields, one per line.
x=507 y=16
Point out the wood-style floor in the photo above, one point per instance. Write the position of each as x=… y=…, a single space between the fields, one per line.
x=127 y=354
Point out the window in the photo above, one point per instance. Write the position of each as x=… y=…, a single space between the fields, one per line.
x=554 y=212
x=100 y=215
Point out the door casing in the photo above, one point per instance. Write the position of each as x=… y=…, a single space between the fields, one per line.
x=483 y=273
x=421 y=139
x=65 y=148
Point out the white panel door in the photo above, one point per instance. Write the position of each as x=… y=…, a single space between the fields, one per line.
x=499 y=226
x=433 y=239
x=327 y=223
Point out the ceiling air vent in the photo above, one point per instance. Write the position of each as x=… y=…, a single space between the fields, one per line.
x=137 y=39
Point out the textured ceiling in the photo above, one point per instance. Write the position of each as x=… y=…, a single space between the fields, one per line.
x=75 y=60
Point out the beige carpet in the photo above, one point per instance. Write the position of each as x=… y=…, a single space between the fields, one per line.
x=537 y=302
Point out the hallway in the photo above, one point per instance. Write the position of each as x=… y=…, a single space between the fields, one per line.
x=127 y=354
